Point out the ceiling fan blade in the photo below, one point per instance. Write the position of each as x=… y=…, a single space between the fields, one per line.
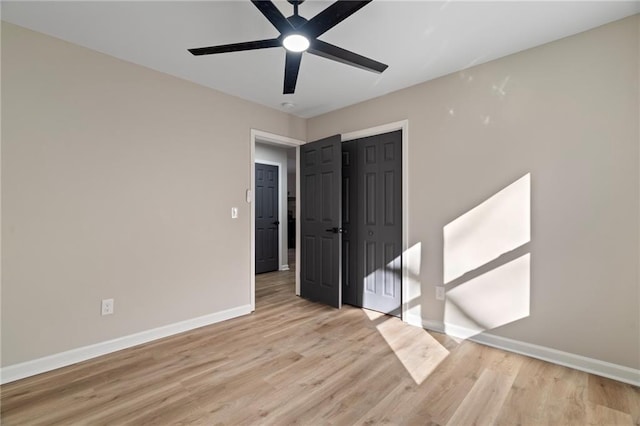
x=236 y=47
x=335 y=53
x=291 y=68
x=273 y=14
x=332 y=16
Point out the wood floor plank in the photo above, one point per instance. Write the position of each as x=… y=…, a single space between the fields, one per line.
x=392 y=408
x=615 y=395
x=601 y=415
x=447 y=386
x=484 y=401
x=297 y=362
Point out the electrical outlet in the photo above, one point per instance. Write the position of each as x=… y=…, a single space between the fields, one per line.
x=107 y=306
x=234 y=212
x=440 y=293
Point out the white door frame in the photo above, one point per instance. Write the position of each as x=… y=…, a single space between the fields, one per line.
x=378 y=130
x=260 y=136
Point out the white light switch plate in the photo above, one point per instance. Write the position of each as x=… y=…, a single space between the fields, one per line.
x=234 y=212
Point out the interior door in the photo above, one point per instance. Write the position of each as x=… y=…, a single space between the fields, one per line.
x=267 y=214
x=320 y=222
x=379 y=223
x=351 y=292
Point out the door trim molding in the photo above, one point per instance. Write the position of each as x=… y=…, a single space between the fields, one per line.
x=285 y=141
x=378 y=130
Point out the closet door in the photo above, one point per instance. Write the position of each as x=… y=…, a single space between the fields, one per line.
x=379 y=225
x=351 y=291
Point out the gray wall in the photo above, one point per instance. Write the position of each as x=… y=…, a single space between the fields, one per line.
x=117 y=182
x=273 y=154
x=567 y=113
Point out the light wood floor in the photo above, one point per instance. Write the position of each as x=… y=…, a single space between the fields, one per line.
x=295 y=362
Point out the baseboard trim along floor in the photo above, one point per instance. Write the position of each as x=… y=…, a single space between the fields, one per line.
x=41 y=365
x=578 y=362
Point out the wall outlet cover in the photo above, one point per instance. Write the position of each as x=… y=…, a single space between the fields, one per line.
x=107 y=307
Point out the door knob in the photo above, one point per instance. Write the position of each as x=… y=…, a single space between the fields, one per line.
x=335 y=230
x=277 y=222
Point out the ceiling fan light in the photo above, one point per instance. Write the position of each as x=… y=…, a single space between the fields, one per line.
x=295 y=43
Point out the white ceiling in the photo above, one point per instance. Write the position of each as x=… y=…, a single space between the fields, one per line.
x=419 y=40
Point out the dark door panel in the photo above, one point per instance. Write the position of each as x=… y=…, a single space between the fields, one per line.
x=267 y=214
x=378 y=209
x=320 y=226
x=350 y=293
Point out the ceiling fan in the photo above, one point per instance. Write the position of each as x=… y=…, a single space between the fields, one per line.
x=298 y=35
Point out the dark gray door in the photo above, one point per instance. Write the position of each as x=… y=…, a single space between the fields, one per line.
x=378 y=223
x=320 y=221
x=350 y=293
x=267 y=214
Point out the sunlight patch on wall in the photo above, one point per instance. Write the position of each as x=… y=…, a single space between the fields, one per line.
x=498 y=225
x=490 y=300
x=487 y=286
x=413 y=307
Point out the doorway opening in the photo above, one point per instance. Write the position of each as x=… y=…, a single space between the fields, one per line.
x=281 y=153
x=409 y=286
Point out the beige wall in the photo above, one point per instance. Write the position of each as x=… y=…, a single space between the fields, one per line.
x=113 y=185
x=567 y=113
x=273 y=154
x=117 y=182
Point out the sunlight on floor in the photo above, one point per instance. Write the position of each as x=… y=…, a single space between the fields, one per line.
x=415 y=348
x=372 y=315
x=418 y=351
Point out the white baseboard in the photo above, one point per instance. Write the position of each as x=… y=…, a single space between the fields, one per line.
x=578 y=362
x=284 y=267
x=417 y=321
x=62 y=359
